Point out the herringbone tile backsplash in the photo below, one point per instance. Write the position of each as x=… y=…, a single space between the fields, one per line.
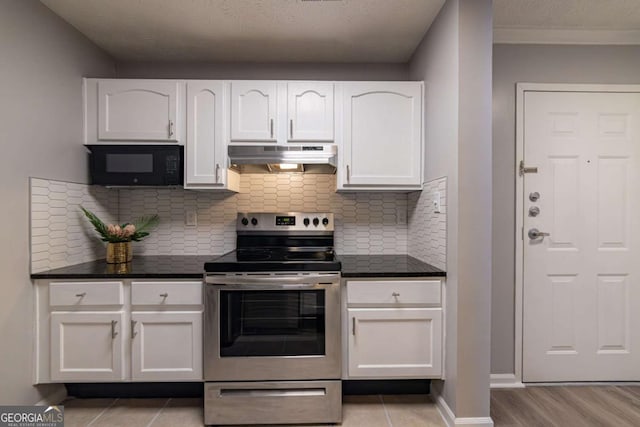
x=366 y=222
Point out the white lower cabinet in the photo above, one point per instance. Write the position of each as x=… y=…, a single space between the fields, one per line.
x=393 y=328
x=110 y=331
x=166 y=346
x=390 y=342
x=86 y=346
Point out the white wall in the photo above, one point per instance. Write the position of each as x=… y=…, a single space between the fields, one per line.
x=454 y=60
x=536 y=64
x=43 y=60
x=262 y=71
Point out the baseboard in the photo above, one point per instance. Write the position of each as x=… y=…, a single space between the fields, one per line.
x=54 y=398
x=505 y=381
x=450 y=418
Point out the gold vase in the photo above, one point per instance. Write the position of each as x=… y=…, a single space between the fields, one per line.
x=118 y=253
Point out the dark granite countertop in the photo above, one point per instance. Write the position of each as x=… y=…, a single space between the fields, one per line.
x=387 y=266
x=192 y=266
x=142 y=267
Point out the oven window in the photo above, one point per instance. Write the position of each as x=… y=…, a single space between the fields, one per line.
x=272 y=323
x=129 y=163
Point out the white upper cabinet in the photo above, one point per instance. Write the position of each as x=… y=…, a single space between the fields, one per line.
x=253 y=111
x=205 y=149
x=137 y=110
x=381 y=143
x=310 y=111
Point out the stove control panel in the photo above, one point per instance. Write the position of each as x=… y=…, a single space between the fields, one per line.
x=286 y=221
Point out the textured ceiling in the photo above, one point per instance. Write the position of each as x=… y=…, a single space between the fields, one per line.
x=252 y=30
x=567 y=14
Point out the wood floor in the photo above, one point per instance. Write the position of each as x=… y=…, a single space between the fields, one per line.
x=567 y=406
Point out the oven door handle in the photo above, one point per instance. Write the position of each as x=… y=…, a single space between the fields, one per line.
x=310 y=280
x=269 y=287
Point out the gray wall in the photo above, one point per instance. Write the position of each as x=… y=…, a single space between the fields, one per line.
x=454 y=60
x=43 y=60
x=532 y=64
x=266 y=71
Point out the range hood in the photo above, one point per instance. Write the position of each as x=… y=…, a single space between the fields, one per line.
x=277 y=158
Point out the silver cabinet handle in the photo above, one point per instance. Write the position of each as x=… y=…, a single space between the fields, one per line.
x=291 y=128
x=164 y=295
x=395 y=294
x=534 y=233
x=114 y=333
x=217 y=172
x=353 y=326
x=133 y=328
x=271 y=128
x=82 y=295
x=348 y=174
x=170 y=128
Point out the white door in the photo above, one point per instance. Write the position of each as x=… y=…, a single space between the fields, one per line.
x=395 y=342
x=205 y=147
x=86 y=346
x=382 y=133
x=137 y=110
x=253 y=111
x=581 y=284
x=166 y=346
x=310 y=111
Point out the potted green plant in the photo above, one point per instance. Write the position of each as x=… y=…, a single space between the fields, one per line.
x=120 y=236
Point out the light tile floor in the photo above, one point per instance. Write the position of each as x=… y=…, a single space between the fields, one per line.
x=366 y=411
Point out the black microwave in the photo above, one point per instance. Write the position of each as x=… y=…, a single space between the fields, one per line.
x=127 y=165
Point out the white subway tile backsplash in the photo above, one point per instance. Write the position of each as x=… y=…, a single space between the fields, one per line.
x=427 y=232
x=60 y=233
x=365 y=222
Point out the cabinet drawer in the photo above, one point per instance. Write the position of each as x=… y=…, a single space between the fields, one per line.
x=166 y=293
x=394 y=292
x=85 y=293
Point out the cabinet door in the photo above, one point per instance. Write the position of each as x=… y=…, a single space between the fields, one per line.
x=166 y=346
x=382 y=142
x=205 y=146
x=253 y=111
x=310 y=111
x=395 y=343
x=137 y=110
x=86 y=346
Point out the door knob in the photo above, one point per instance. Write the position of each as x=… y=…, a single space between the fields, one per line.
x=534 y=233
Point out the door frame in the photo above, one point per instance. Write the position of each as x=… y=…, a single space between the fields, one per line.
x=521 y=89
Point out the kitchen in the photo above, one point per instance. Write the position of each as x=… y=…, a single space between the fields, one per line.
x=47 y=59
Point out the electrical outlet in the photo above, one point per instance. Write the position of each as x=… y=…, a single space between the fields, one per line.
x=190 y=218
x=436 y=202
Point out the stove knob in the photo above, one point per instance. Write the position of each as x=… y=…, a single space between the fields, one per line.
x=245 y=221
x=325 y=221
x=254 y=221
x=305 y=222
x=316 y=221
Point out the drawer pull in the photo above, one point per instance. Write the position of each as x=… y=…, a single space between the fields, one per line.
x=133 y=328
x=353 y=326
x=395 y=294
x=164 y=295
x=114 y=333
x=81 y=295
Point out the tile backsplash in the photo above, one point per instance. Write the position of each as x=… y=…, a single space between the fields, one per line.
x=427 y=233
x=366 y=222
x=60 y=233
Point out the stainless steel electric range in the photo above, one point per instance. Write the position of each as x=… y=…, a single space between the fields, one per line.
x=272 y=345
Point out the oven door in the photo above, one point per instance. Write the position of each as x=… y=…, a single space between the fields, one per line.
x=271 y=327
